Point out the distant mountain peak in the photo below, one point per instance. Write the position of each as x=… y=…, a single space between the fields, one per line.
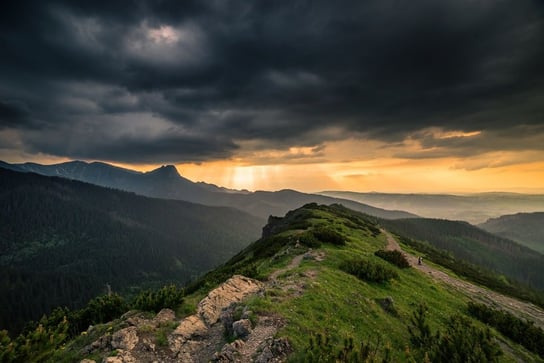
x=168 y=171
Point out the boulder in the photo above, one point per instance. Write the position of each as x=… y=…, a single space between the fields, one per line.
x=121 y=357
x=164 y=316
x=229 y=352
x=126 y=338
x=190 y=327
x=241 y=328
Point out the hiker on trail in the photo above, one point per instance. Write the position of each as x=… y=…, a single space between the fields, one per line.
x=419 y=259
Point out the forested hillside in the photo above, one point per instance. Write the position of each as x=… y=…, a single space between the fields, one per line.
x=524 y=228
x=472 y=244
x=63 y=242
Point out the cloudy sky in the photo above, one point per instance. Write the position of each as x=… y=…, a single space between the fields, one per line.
x=383 y=95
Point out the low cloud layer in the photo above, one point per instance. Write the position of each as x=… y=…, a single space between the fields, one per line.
x=189 y=81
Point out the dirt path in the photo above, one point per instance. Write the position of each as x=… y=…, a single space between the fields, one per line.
x=293 y=264
x=516 y=307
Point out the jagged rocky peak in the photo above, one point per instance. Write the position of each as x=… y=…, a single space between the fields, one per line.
x=168 y=171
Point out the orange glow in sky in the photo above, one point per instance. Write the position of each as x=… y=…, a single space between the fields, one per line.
x=364 y=165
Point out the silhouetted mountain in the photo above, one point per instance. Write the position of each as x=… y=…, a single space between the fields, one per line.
x=62 y=241
x=477 y=246
x=525 y=228
x=473 y=208
x=165 y=182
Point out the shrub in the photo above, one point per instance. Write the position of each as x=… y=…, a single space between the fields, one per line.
x=368 y=270
x=395 y=257
x=329 y=235
x=460 y=342
x=322 y=349
x=37 y=345
x=520 y=331
x=419 y=329
x=167 y=297
x=101 y=309
x=308 y=239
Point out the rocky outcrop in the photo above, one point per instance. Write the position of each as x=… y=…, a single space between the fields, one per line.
x=191 y=327
x=197 y=338
x=199 y=334
x=233 y=290
x=125 y=339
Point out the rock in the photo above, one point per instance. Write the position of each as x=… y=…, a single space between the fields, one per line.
x=87 y=361
x=241 y=328
x=265 y=356
x=229 y=352
x=274 y=350
x=136 y=318
x=164 y=316
x=100 y=344
x=281 y=347
x=233 y=290
x=125 y=338
x=121 y=357
x=148 y=345
x=227 y=319
x=246 y=313
x=190 y=327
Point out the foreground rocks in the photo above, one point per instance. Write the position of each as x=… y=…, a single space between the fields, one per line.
x=199 y=337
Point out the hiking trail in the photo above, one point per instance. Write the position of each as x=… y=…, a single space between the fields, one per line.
x=519 y=308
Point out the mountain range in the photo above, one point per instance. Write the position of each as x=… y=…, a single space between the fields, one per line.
x=472 y=208
x=165 y=182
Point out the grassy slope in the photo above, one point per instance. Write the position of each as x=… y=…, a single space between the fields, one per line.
x=477 y=246
x=317 y=297
x=340 y=305
x=337 y=304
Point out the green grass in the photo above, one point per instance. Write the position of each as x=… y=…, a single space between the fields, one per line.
x=340 y=306
x=335 y=303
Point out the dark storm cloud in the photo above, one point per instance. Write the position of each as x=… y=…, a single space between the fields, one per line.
x=168 y=148
x=12 y=114
x=282 y=73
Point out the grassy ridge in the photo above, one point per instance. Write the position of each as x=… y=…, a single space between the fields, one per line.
x=341 y=306
x=318 y=299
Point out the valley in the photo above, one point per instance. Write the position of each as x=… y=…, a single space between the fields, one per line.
x=474 y=208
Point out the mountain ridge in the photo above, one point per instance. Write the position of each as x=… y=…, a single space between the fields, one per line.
x=259 y=203
x=314 y=288
x=524 y=228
